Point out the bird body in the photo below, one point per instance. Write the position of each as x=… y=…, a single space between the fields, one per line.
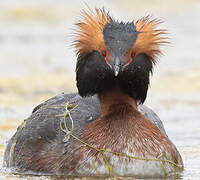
x=110 y=133
x=40 y=146
x=124 y=142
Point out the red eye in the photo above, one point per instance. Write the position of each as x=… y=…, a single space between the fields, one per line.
x=103 y=53
x=133 y=54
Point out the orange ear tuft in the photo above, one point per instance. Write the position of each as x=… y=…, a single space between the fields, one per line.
x=89 y=35
x=150 y=38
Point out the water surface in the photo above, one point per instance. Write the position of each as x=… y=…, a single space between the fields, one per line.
x=37 y=62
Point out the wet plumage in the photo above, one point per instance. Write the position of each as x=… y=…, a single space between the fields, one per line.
x=115 y=60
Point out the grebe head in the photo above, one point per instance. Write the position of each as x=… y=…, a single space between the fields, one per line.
x=113 y=54
x=119 y=38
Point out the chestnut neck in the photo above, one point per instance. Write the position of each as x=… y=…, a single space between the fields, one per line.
x=114 y=97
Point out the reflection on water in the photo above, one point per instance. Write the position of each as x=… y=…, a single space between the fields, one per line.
x=37 y=63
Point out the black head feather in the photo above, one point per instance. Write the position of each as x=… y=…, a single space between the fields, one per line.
x=119 y=37
x=134 y=78
x=93 y=75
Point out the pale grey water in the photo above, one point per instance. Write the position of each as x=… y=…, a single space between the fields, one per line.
x=37 y=62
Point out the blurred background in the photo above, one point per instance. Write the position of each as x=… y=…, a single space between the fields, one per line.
x=37 y=62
